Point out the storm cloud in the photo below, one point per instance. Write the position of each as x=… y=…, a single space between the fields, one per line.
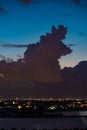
x=42 y=57
x=40 y=62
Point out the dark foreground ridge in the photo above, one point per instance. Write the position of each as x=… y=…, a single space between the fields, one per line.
x=44 y=123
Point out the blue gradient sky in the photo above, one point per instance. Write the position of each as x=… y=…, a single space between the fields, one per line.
x=23 y=24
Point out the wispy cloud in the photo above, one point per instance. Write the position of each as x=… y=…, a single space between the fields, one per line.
x=13 y=45
x=71 y=45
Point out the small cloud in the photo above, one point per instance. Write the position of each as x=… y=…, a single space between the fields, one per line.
x=83 y=33
x=2 y=10
x=39 y=1
x=14 y=45
x=77 y=2
x=51 y=0
x=71 y=45
x=26 y=2
x=85 y=5
x=66 y=14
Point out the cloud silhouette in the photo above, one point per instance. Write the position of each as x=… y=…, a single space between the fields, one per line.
x=40 y=62
x=77 y=73
x=42 y=57
x=81 y=71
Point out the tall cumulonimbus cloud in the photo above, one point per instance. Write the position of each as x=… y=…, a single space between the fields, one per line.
x=42 y=58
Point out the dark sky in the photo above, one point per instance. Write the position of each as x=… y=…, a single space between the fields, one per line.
x=37 y=39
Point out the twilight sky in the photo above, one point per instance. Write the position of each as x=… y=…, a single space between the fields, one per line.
x=22 y=22
x=43 y=36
